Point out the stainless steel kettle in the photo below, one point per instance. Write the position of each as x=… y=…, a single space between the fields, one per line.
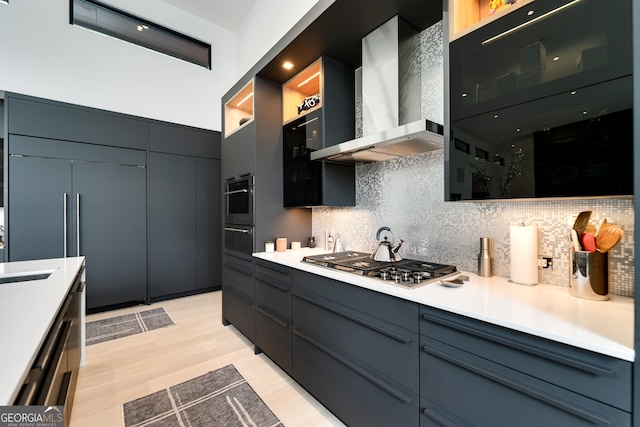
x=386 y=251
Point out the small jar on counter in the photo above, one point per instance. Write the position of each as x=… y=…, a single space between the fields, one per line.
x=281 y=244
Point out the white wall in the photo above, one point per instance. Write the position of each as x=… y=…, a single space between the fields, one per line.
x=43 y=55
x=264 y=26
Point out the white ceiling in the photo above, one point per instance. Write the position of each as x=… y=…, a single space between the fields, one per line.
x=227 y=14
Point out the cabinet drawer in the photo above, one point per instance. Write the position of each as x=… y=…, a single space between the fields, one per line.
x=274 y=271
x=238 y=310
x=354 y=393
x=389 y=349
x=273 y=336
x=488 y=394
x=431 y=415
x=594 y=375
x=273 y=294
x=390 y=309
x=273 y=287
x=237 y=273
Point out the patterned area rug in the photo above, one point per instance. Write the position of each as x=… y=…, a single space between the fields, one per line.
x=219 y=398
x=129 y=324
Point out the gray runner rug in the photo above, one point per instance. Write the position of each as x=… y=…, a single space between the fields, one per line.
x=218 y=398
x=129 y=324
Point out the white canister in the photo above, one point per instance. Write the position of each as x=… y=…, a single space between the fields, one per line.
x=269 y=246
x=295 y=246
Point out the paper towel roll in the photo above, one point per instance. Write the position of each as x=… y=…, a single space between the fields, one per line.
x=524 y=254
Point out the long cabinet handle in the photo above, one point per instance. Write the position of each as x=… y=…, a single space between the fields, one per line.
x=239 y=268
x=244 y=190
x=78 y=222
x=439 y=418
x=274 y=267
x=266 y=312
x=549 y=355
x=238 y=294
x=353 y=317
x=64 y=223
x=274 y=283
x=238 y=230
x=354 y=367
x=569 y=407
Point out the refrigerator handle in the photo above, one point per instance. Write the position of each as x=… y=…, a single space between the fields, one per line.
x=78 y=222
x=64 y=223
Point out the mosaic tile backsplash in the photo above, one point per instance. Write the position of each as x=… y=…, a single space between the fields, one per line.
x=407 y=195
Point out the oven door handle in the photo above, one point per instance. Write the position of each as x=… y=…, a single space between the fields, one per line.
x=244 y=190
x=238 y=230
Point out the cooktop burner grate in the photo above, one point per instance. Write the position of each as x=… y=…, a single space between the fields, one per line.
x=407 y=272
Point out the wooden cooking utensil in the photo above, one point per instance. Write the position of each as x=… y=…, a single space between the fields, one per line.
x=609 y=236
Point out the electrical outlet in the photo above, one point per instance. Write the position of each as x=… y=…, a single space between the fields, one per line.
x=545 y=262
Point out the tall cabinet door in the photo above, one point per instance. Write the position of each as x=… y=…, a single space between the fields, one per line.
x=208 y=224
x=37 y=208
x=172 y=224
x=111 y=202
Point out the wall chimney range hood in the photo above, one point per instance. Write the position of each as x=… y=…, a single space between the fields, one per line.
x=392 y=125
x=412 y=138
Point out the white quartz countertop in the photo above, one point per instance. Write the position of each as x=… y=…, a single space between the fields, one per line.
x=27 y=310
x=546 y=311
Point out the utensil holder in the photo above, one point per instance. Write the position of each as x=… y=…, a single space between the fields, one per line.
x=589 y=275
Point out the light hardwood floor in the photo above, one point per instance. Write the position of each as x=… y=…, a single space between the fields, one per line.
x=121 y=370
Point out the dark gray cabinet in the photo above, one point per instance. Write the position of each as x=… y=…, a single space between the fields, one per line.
x=66 y=207
x=184 y=223
x=273 y=311
x=184 y=210
x=500 y=377
x=208 y=221
x=56 y=120
x=356 y=351
x=164 y=220
x=238 y=297
x=316 y=183
x=39 y=196
x=172 y=224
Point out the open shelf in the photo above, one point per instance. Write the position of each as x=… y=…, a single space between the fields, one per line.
x=307 y=83
x=238 y=111
x=466 y=16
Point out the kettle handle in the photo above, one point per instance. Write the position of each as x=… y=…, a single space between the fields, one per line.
x=380 y=230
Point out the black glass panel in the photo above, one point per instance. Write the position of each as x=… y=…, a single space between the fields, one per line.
x=302 y=176
x=560 y=128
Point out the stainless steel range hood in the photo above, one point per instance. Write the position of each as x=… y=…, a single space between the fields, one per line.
x=392 y=124
x=412 y=138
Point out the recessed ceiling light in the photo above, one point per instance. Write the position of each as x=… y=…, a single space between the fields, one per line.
x=518 y=130
x=464 y=94
x=287 y=65
x=556 y=58
x=495 y=117
x=573 y=92
x=530 y=13
x=584 y=113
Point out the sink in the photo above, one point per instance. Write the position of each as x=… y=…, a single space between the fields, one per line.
x=24 y=276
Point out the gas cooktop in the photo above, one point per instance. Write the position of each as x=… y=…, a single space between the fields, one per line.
x=407 y=272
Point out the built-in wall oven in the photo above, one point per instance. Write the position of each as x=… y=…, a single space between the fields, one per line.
x=239 y=213
x=239 y=200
